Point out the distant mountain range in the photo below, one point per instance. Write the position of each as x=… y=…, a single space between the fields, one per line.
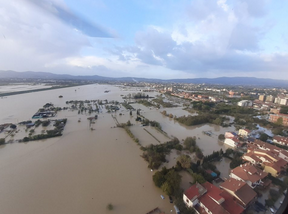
x=251 y=81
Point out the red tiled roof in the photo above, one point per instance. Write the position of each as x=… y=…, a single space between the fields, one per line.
x=213 y=191
x=245 y=193
x=281 y=139
x=248 y=172
x=253 y=156
x=284 y=152
x=274 y=166
x=212 y=205
x=266 y=146
x=230 y=205
x=267 y=154
x=195 y=191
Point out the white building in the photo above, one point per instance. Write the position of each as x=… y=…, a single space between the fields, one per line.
x=244 y=132
x=283 y=101
x=231 y=142
x=245 y=103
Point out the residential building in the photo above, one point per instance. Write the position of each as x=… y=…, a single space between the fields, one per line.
x=262 y=98
x=245 y=103
x=273 y=160
x=208 y=199
x=275 y=110
x=233 y=142
x=252 y=158
x=244 y=132
x=265 y=146
x=241 y=191
x=249 y=174
x=274 y=118
x=280 y=140
x=275 y=168
x=277 y=100
x=283 y=154
x=230 y=134
x=283 y=101
x=270 y=98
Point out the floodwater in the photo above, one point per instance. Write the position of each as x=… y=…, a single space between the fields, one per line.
x=21 y=87
x=224 y=167
x=82 y=171
x=186 y=180
x=206 y=143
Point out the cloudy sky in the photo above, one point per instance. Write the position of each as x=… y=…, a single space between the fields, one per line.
x=146 y=38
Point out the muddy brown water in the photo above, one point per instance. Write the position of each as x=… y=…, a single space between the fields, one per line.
x=84 y=170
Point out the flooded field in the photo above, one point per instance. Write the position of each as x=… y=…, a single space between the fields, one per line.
x=206 y=143
x=84 y=170
x=21 y=87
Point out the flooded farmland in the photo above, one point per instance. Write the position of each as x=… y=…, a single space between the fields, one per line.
x=84 y=170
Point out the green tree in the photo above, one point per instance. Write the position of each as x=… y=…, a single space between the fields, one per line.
x=128 y=123
x=217 y=121
x=279 y=121
x=189 y=142
x=185 y=161
x=198 y=178
x=167 y=188
x=159 y=179
x=221 y=137
x=110 y=207
x=263 y=137
x=2 y=141
x=277 y=131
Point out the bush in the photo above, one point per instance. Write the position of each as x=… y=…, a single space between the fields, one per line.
x=46 y=123
x=25 y=139
x=221 y=137
x=168 y=180
x=110 y=207
x=2 y=141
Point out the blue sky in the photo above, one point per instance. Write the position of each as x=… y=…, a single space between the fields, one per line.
x=158 y=39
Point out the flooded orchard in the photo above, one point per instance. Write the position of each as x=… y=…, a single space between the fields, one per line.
x=84 y=170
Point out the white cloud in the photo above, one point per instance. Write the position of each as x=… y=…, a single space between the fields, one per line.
x=31 y=38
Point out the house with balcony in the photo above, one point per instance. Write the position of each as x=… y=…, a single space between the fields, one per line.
x=250 y=174
x=206 y=198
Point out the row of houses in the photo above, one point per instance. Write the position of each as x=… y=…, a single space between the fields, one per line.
x=196 y=97
x=237 y=193
x=265 y=155
x=236 y=140
x=272 y=159
x=232 y=197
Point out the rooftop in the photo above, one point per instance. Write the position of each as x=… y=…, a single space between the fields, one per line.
x=195 y=191
x=244 y=192
x=248 y=172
